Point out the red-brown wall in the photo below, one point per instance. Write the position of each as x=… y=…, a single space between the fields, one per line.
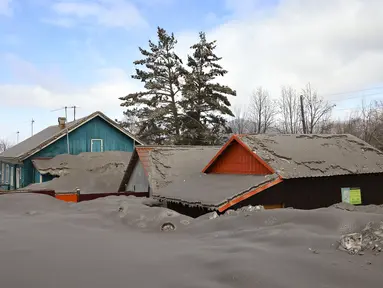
x=237 y=160
x=72 y=197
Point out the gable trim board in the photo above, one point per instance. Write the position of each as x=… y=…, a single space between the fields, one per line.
x=64 y=132
x=225 y=203
x=235 y=140
x=249 y=194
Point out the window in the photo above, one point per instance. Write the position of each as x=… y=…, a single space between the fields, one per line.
x=96 y=145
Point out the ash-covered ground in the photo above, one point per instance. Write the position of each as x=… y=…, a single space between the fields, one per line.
x=122 y=242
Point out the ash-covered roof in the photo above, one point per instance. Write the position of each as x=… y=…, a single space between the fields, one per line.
x=175 y=175
x=51 y=134
x=90 y=172
x=211 y=190
x=167 y=164
x=36 y=140
x=185 y=159
x=296 y=156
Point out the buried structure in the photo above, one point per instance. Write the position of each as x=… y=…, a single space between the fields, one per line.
x=299 y=171
x=82 y=177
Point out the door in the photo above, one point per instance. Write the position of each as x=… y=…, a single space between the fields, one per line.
x=96 y=145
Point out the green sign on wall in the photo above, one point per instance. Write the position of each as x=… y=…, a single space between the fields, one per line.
x=351 y=195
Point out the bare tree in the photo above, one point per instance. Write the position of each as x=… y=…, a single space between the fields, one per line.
x=130 y=123
x=240 y=124
x=262 y=111
x=317 y=111
x=289 y=111
x=365 y=123
x=371 y=122
x=4 y=145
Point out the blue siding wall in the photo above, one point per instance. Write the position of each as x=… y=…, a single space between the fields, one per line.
x=80 y=141
x=8 y=180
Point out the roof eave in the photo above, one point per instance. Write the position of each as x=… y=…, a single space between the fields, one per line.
x=11 y=160
x=63 y=132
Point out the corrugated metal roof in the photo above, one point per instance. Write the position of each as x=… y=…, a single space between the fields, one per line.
x=143 y=154
x=35 y=141
x=51 y=134
x=296 y=156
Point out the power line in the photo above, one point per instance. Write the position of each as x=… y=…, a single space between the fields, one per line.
x=352 y=92
x=356 y=97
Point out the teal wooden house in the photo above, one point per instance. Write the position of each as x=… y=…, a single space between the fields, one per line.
x=94 y=133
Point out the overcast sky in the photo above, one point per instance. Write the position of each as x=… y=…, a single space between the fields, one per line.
x=80 y=52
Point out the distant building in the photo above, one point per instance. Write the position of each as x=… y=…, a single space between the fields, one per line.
x=93 y=133
x=299 y=171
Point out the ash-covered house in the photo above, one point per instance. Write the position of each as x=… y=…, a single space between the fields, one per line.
x=93 y=133
x=82 y=177
x=299 y=171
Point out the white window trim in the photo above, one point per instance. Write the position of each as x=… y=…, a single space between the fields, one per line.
x=6 y=181
x=12 y=179
x=18 y=179
x=41 y=178
x=91 y=144
x=2 y=172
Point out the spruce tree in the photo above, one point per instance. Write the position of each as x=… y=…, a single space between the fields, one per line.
x=205 y=102
x=158 y=106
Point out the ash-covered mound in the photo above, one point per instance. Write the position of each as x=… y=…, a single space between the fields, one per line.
x=377 y=209
x=30 y=203
x=100 y=244
x=134 y=212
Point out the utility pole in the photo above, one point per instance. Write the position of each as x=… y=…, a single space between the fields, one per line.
x=18 y=133
x=33 y=121
x=303 y=116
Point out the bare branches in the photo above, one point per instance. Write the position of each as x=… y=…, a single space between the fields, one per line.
x=289 y=112
x=366 y=123
x=262 y=111
x=240 y=124
x=317 y=111
x=4 y=145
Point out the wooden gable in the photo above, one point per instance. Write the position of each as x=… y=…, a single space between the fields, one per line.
x=236 y=158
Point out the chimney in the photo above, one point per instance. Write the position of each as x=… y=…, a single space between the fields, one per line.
x=62 y=121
